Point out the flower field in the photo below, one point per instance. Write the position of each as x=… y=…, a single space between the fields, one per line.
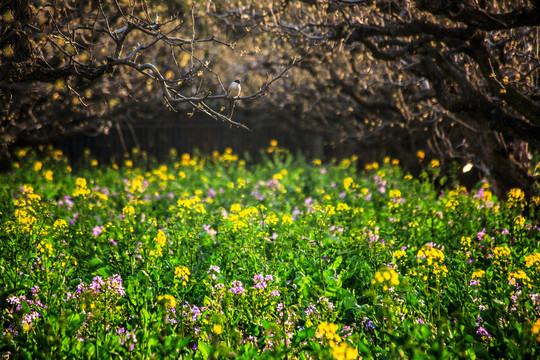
x=216 y=257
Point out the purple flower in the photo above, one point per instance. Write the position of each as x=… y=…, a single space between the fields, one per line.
x=481 y=234
x=209 y=230
x=237 y=288
x=114 y=285
x=96 y=284
x=260 y=285
x=483 y=333
x=368 y=324
x=96 y=230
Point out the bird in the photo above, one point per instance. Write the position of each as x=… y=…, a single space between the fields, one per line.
x=235 y=89
x=233 y=92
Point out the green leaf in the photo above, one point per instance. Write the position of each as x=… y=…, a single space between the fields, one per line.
x=94 y=262
x=205 y=349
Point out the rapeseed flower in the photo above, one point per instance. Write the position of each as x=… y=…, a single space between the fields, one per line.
x=519 y=222
x=501 y=251
x=348 y=183
x=49 y=175
x=478 y=274
x=532 y=260
x=519 y=276
x=160 y=241
x=398 y=254
x=516 y=198
x=167 y=300
x=128 y=211
x=387 y=277
x=81 y=188
x=430 y=260
x=182 y=273
x=328 y=331
x=372 y=166
x=343 y=351
x=217 y=329
x=536 y=329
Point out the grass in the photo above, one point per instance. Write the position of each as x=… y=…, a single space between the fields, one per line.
x=215 y=257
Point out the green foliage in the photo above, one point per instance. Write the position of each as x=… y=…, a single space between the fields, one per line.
x=210 y=257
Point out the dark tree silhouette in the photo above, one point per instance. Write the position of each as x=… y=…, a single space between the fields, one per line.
x=463 y=71
x=84 y=66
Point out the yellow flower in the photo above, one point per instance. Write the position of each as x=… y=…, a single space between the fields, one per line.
x=519 y=221
x=49 y=175
x=501 y=251
x=168 y=300
x=38 y=165
x=420 y=155
x=345 y=163
x=519 y=275
x=536 y=329
x=80 y=182
x=328 y=331
x=343 y=351
x=217 y=329
x=435 y=163
x=478 y=274
x=431 y=260
x=128 y=211
x=286 y=219
x=532 y=260
x=342 y=207
x=516 y=198
x=347 y=183
x=235 y=208
x=372 y=166
x=160 y=238
x=60 y=224
x=273 y=143
x=82 y=189
x=182 y=273
x=387 y=277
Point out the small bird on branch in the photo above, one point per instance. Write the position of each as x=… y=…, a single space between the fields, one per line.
x=233 y=92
